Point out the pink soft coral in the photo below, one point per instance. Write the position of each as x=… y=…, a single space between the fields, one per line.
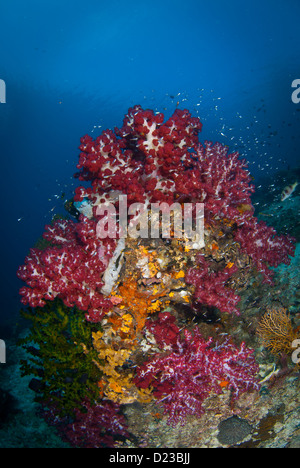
x=185 y=377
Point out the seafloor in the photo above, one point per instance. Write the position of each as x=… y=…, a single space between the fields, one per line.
x=269 y=418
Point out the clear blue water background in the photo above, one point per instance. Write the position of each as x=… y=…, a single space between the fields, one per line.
x=70 y=67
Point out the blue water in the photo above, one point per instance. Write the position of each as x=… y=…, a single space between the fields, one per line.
x=71 y=67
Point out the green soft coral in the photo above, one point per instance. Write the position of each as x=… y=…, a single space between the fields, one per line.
x=61 y=356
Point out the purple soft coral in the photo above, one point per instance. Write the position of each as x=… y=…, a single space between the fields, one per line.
x=184 y=378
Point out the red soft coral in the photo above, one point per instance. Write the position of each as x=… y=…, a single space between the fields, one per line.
x=210 y=286
x=70 y=269
x=97 y=427
x=264 y=246
x=150 y=160
x=184 y=378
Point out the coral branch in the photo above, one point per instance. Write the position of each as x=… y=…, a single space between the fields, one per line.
x=183 y=379
x=96 y=427
x=210 y=286
x=70 y=269
x=276 y=331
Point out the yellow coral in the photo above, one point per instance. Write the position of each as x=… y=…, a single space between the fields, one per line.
x=117 y=384
x=180 y=274
x=123 y=391
x=155 y=306
x=127 y=322
x=139 y=303
x=119 y=339
x=153 y=269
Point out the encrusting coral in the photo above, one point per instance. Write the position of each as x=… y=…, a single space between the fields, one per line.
x=118 y=341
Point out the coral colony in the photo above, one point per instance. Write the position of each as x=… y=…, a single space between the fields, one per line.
x=111 y=312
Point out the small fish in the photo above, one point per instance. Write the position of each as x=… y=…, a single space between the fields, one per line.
x=288 y=190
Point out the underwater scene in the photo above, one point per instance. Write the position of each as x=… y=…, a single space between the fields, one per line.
x=150 y=226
